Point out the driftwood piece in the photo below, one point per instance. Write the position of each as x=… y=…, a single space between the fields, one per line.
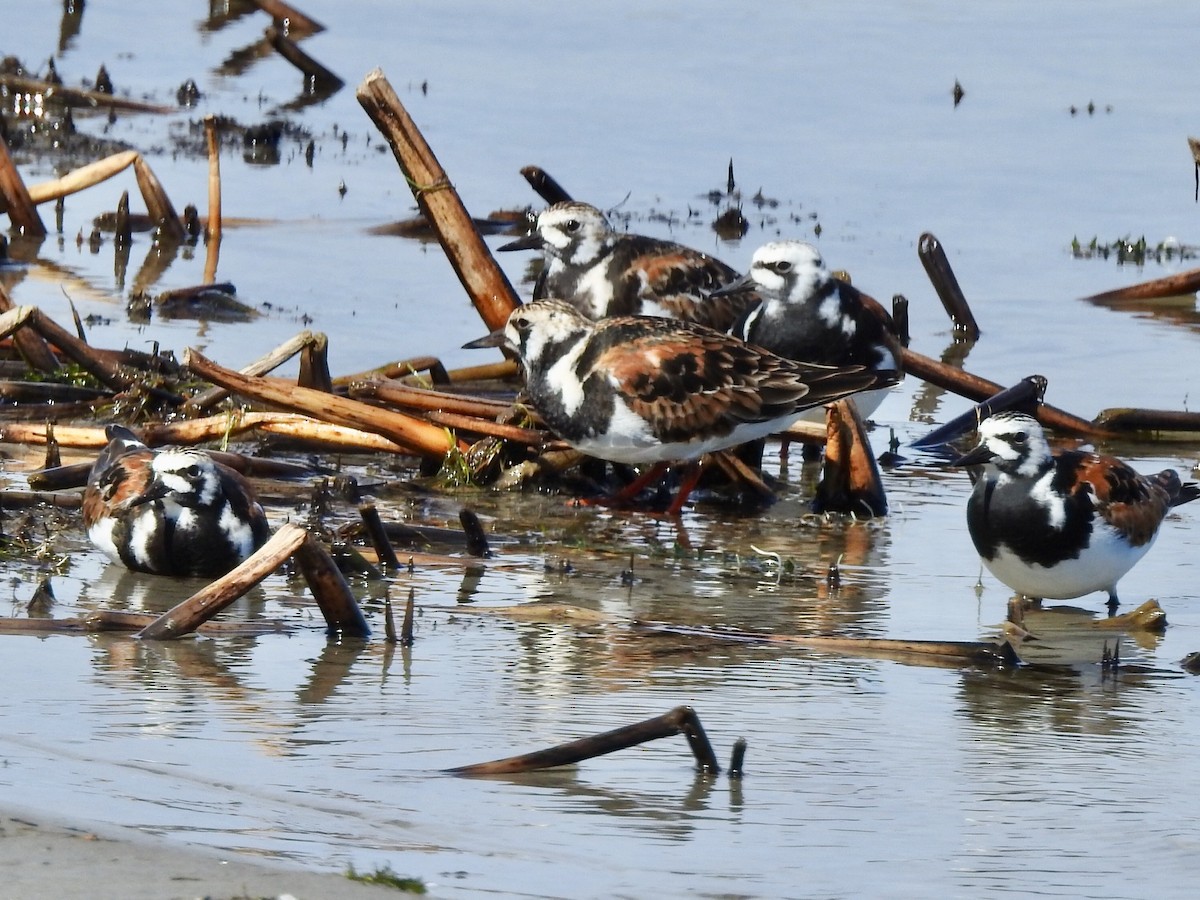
x=84 y=177
x=158 y=204
x=396 y=393
x=851 y=482
x=30 y=345
x=1171 y=286
x=417 y=435
x=1152 y=420
x=937 y=266
x=288 y=18
x=261 y=366
x=22 y=211
x=187 y=616
x=343 y=617
x=79 y=97
x=680 y=720
x=486 y=284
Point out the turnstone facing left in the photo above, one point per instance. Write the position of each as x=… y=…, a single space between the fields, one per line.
x=809 y=315
x=603 y=272
x=642 y=389
x=170 y=512
x=1058 y=526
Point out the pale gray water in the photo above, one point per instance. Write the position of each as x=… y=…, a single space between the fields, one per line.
x=864 y=777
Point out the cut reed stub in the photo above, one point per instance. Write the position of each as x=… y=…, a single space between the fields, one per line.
x=851 y=482
x=682 y=719
x=937 y=266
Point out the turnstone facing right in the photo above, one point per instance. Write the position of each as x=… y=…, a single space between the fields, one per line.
x=1058 y=526
x=170 y=512
x=603 y=272
x=642 y=389
x=807 y=314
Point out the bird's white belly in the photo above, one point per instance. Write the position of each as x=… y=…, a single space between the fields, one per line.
x=1097 y=568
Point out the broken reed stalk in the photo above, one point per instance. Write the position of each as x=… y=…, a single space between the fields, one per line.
x=406 y=626
x=682 y=719
x=314 y=365
x=378 y=535
x=343 y=617
x=213 y=142
x=30 y=345
x=417 y=435
x=158 y=204
x=545 y=186
x=288 y=18
x=918 y=652
x=937 y=266
x=397 y=394
x=1024 y=396
x=22 y=211
x=83 y=177
x=213 y=428
x=404 y=368
x=1180 y=284
x=975 y=388
x=851 y=482
x=26 y=499
x=79 y=97
x=319 y=78
x=484 y=281
x=1158 y=420
x=261 y=366
x=211 y=599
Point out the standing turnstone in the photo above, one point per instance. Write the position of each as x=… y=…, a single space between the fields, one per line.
x=807 y=314
x=170 y=512
x=641 y=389
x=1059 y=526
x=603 y=272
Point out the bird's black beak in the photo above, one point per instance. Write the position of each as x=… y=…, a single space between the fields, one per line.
x=156 y=490
x=976 y=457
x=532 y=241
x=741 y=284
x=495 y=339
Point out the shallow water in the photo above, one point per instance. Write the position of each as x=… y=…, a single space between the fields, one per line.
x=864 y=777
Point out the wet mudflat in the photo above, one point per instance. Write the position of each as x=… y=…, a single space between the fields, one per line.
x=863 y=776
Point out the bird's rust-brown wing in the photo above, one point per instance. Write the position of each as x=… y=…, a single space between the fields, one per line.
x=1131 y=502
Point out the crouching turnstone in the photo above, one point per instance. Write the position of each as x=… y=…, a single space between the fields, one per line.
x=807 y=314
x=170 y=512
x=1059 y=526
x=641 y=389
x=603 y=272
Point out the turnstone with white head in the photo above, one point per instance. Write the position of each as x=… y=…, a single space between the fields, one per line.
x=1061 y=525
x=643 y=389
x=603 y=272
x=175 y=511
x=807 y=314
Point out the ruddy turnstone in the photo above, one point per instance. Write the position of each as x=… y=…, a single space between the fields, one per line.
x=642 y=389
x=603 y=272
x=1058 y=526
x=170 y=512
x=807 y=314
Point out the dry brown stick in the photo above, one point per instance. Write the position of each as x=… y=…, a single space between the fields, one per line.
x=342 y=614
x=30 y=345
x=406 y=625
x=377 y=534
x=213 y=428
x=158 y=204
x=933 y=258
x=530 y=437
x=399 y=394
x=22 y=211
x=98 y=363
x=401 y=369
x=25 y=499
x=484 y=281
x=266 y=363
x=319 y=78
x=1124 y=420
x=936 y=652
x=682 y=719
x=851 y=482
x=211 y=599
x=508 y=368
x=287 y=17
x=83 y=177
x=416 y=434
x=80 y=97
x=1179 y=284
x=212 y=140
x=975 y=388
x=314 y=365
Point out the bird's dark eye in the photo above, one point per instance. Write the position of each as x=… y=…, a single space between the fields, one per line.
x=192 y=471
x=522 y=324
x=782 y=267
x=1019 y=438
x=572 y=226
